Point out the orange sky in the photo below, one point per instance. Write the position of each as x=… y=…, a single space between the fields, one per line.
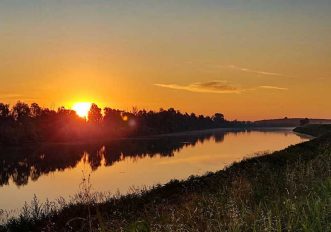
x=247 y=59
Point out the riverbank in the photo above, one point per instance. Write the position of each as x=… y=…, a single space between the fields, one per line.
x=314 y=130
x=286 y=190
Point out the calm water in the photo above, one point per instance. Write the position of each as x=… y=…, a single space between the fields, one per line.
x=57 y=170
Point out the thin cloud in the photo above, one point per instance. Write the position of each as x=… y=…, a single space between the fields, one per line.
x=260 y=72
x=221 y=87
x=272 y=87
x=204 y=87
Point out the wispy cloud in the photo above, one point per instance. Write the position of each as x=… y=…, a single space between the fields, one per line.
x=272 y=87
x=259 y=72
x=204 y=87
x=217 y=87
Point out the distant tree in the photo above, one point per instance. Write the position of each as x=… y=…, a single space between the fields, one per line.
x=21 y=111
x=112 y=116
x=304 y=121
x=135 y=110
x=4 y=111
x=47 y=113
x=64 y=113
x=218 y=118
x=42 y=124
x=94 y=115
x=36 y=110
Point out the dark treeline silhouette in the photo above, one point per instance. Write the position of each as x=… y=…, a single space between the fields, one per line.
x=25 y=123
x=21 y=164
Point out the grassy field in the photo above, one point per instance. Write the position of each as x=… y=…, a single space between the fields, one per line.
x=289 y=190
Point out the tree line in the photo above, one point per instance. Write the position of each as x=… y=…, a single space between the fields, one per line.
x=23 y=123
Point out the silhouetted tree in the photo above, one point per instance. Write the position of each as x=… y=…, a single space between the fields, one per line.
x=113 y=116
x=35 y=124
x=36 y=110
x=4 y=111
x=218 y=118
x=94 y=115
x=21 y=111
x=66 y=114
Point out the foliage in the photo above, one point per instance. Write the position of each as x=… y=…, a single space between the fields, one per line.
x=95 y=115
x=34 y=124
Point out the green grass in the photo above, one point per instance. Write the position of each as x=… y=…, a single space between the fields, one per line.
x=288 y=190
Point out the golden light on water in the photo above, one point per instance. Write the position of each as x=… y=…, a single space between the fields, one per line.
x=82 y=108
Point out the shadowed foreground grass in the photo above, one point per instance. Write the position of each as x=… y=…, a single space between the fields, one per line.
x=289 y=190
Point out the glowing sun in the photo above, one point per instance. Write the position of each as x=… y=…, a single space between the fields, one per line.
x=82 y=109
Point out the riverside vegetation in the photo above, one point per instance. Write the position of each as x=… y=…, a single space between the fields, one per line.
x=315 y=130
x=30 y=124
x=288 y=190
x=24 y=124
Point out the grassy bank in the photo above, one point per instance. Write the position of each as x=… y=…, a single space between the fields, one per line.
x=315 y=130
x=289 y=190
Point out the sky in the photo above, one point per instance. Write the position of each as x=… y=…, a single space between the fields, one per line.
x=248 y=59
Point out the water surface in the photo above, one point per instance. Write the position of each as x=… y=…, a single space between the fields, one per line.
x=57 y=170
